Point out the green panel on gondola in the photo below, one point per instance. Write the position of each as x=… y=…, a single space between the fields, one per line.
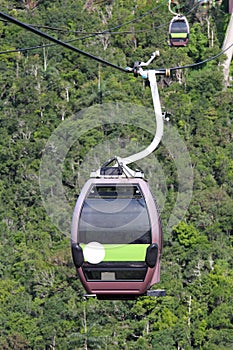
x=178 y=35
x=124 y=252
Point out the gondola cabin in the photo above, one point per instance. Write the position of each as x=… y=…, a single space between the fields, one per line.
x=116 y=238
x=179 y=31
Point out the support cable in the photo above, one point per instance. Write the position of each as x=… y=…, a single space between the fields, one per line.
x=202 y=62
x=107 y=31
x=66 y=45
x=89 y=35
x=62 y=43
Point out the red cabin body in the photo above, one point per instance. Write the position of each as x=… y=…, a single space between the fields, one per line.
x=116 y=237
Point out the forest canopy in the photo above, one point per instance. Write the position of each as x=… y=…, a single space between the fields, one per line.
x=46 y=92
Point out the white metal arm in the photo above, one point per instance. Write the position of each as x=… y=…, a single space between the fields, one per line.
x=123 y=162
x=151 y=75
x=169 y=8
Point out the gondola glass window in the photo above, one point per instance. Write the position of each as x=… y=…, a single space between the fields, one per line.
x=179 y=27
x=115 y=214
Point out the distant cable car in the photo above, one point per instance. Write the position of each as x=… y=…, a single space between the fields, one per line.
x=179 y=31
x=116 y=237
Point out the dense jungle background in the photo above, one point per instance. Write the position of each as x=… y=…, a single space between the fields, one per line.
x=42 y=86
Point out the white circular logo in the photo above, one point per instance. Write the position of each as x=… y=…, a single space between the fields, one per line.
x=94 y=252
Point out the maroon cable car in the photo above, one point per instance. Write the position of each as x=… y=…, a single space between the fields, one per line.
x=179 y=31
x=116 y=238
x=116 y=235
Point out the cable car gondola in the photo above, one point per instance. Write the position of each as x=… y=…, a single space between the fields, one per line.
x=116 y=237
x=179 y=31
x=116 y=234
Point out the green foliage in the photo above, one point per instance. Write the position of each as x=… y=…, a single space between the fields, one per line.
x=187 y=235
x=42 y=305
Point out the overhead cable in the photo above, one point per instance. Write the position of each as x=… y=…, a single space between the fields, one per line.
x=90 y=34
x=204 y=61
x=107 y=31
x=66 y=45
x=62 y=43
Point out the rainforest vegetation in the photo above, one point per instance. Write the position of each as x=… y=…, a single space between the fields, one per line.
x=43 y=86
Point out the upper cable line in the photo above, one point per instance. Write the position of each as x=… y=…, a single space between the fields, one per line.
x=73 y=48
x=76 y=39
x=202 y=62
x=57 y=41
x=107 y=31
x=87 y=35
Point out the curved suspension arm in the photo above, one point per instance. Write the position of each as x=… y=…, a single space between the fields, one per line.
x=151 y=75
x=122 y=163
x=169 y=8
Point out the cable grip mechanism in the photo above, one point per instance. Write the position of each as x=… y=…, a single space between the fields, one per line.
x=137 y=64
